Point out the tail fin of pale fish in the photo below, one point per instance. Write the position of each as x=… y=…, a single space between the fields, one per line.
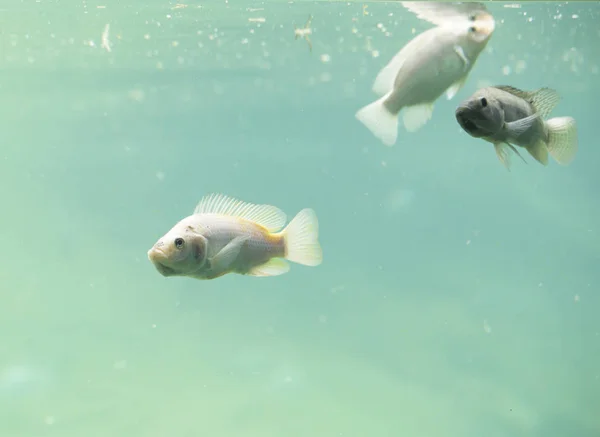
x=301 y=238
x=562 y=139
x=381 y=122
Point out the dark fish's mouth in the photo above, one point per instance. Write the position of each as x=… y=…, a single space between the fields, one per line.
x=465 y=122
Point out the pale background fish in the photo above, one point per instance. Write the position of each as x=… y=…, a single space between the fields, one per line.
x=435 y=62
x=103 y=151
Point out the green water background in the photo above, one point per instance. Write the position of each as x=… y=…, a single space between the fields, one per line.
x=455 y=298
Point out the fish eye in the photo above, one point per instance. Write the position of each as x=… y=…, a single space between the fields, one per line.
x=483 y=102
x=472 y=29
x=179 y=243
x=472 y=17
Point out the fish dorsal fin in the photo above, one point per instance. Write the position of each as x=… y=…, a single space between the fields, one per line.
x=270 y=217
x=442 y=13
x=543 y=100
x=386 y=78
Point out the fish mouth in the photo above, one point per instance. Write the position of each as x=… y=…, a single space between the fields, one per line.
x=462 y=116
x=156 y=256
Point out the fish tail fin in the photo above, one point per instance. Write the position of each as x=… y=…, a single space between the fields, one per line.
x=380 y=121
x=562 y=139
x=301 y=238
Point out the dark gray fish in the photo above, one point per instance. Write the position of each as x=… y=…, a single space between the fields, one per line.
x=506 y=117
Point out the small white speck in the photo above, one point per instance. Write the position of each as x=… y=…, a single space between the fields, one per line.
x=120 y=365
x=160 y=176
x=486 y=327
x=325 y=58
x=325 y=77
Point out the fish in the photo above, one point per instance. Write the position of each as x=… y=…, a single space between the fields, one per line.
x=227 y=235
x=435 y=62
x=507 y=116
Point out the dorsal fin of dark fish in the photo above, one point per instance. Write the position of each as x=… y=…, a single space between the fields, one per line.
x=543 y=100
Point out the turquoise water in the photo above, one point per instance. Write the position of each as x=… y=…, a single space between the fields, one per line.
x=455 y=298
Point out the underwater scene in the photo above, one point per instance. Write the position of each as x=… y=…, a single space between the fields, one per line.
x=236 y=218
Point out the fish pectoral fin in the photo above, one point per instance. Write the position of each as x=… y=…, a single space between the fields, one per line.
x=455 y=88
x=461 y=54
x=226 y=256
x=273 y=267
x=518 y=127
x=415 y=117
x=540 y=152
x=503 y=153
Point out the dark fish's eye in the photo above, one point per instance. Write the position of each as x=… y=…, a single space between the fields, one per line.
x=472 y=17
x=483 y=102
x=472 y=29
x=179 y=243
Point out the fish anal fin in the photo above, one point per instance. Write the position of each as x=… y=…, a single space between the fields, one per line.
x=415 y=117
x=270 y=217
x=273 y=267
x=539 y=151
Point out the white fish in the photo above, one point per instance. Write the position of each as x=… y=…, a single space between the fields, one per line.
x=436 y=61
x=226 y=235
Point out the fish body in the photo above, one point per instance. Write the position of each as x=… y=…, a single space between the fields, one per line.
x=507 y=116
x=435 y=62
x=225 y=235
